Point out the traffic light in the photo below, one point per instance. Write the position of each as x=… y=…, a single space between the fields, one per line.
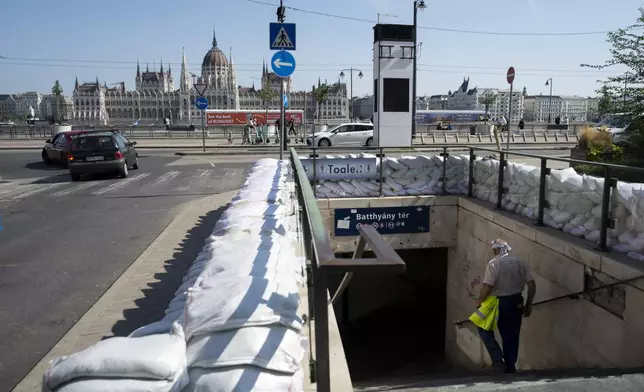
x=281 y=14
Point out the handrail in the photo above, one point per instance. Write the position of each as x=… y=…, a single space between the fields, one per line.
x=572 y=296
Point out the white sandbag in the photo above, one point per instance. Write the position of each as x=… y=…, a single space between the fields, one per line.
x=177 y=303
x=560 y=216
x=627 y=236
x=411 y=162
x=593 y=236
x=127 y=385
x=273 y=347
x=622 y=248
x=393 y=184
x=593 y=224
x=347 y=187
x=257 y=263
x=224 y=302
x=334 y=187
x=266 y=195
x=366 y=155
x=403 y=181
x=580 y=231
x=154 y=357
x=243 y=379
x=636 y=255
x=394 y=164
x=399 y=173
x=157 y=327
x=257 y=209
x=637 y=244
x=578 y=220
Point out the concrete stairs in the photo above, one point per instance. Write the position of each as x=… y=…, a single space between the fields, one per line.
x=578 y=380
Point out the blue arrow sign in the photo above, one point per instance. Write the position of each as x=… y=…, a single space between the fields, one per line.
x=282 y=36
x=283 y=64
x=201 y=103
x=285 y=100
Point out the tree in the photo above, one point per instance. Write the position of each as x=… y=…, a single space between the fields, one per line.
x=486 y=101
x=321 y=94
x=267 y=94
x=623 y=93
x=57 y=92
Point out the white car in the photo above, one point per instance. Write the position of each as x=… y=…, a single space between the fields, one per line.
x=353 y=134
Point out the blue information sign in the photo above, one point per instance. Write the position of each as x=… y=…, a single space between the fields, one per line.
x=341 y=169
x=283 y=64
x=282 y=36
x=202 y=103
x=387 y=220
x=285 y=100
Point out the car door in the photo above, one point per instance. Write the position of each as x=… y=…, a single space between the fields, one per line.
x=131 y=151
x=359 y=135
x=344 y=136
x=56 y=147
x=123 y=147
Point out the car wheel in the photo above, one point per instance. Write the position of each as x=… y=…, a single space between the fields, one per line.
x=370 y=142
x=75 y=177
x=63 y=159
x=45 y=157
x=124 y=171
x=324 y=143
x=136 y=164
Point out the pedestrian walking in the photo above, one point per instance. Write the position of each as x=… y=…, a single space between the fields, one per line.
x=505 y=278
x=521 y=124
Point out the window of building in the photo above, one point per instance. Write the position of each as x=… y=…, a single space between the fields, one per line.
x=385 y=51
x=395 y=95
x=407 y=52
x=375 y=95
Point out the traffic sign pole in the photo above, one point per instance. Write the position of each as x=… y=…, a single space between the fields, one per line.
x=510 y=79
x=203 y=131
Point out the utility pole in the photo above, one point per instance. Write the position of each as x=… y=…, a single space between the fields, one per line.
x=360 y=75
x=281 y=17
x=549 y=83
x=418 y=5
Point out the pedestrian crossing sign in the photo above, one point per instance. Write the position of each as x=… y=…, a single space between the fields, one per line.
x=282 y=36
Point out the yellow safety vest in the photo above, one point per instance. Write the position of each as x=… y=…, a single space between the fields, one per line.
x=487 y=315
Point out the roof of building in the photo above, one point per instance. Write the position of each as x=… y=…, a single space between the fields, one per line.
x=4 y=97
x=214 y=57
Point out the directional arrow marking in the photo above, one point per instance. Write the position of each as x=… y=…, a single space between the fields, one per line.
x=279 y=63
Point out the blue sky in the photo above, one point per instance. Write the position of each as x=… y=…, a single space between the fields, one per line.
x=105 y=39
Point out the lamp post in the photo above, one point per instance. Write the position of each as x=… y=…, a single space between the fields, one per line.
x=360 y=75
x=418 y=5
x=549 y=83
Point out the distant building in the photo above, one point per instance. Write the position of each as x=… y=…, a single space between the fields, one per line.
x=156 y=97
x=8 y=107
x=465 y=98
x=26 y=100
x=540 y=108
x=364 y=107
x=437 y=102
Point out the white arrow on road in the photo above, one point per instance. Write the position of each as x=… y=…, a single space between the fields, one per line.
x=278 y=63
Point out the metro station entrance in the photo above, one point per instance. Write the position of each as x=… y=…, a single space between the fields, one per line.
x=393 y=325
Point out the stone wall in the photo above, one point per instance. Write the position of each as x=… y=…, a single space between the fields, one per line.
x=562 y=334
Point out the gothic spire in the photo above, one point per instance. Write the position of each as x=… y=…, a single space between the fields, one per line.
x=169 y=70
x=97 y=83
x=161 y=66
x=76 y=85
x=147 y=67
x=138 y=68
x=214 y=38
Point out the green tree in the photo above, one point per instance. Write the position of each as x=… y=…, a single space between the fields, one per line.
x=57 y=92
x=267 y=94
x=321 y=94
x=487 y=101
x=623 y=93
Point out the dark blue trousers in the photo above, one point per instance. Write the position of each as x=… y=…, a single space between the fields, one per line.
x=509 y=324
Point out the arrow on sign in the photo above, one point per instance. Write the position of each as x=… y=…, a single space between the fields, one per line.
x=279 y=64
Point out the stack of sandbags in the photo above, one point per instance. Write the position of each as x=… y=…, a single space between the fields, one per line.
x=404 y=176
x=241 y=311
x=155 y=363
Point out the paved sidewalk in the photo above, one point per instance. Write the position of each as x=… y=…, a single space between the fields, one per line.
x=122 y=307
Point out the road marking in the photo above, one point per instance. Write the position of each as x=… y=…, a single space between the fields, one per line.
x=39 y=188
x=69 y=191
x=202 y=172
x=212 y=164
x=120 y=184
x=166 y=177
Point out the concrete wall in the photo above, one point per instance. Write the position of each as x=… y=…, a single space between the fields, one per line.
x=563 y=334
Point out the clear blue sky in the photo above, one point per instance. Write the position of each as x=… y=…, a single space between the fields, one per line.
x=112 y=35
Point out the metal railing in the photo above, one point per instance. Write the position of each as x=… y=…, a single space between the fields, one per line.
x=609 y=175
x=321 y=261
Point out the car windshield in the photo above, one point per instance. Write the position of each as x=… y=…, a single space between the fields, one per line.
x=93 y=143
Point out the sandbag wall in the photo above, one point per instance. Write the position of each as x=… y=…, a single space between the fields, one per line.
x=574 y=199
x=233 y=324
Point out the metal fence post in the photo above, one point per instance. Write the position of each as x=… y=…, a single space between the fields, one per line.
x=605 y=219
x=542 y=190
x=444 y=155
x=315 y=177
x=470 y=180
x=499 y=198
x=380 y=170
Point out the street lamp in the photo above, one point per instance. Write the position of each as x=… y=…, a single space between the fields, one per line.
x=418 y=5
x=549 y=83
x=360 y=75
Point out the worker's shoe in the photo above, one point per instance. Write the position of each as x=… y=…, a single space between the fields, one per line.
x=499 y=367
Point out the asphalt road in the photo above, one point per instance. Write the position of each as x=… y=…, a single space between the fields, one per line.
x=63 y=244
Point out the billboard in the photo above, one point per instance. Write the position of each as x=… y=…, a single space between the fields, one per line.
x=454 y=116
x=228 y=118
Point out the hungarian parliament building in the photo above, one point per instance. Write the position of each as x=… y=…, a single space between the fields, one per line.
x=156 y=98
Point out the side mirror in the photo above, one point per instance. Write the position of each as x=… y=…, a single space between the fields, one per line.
x=133 y=144
x=48 y=141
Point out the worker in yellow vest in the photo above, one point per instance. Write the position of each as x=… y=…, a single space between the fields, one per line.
x=501 y=302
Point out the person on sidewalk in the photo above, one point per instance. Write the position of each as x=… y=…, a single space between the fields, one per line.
x=505 y=277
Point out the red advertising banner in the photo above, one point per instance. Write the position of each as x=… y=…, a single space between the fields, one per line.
x=227 y=118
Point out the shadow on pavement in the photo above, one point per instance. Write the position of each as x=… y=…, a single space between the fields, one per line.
x=151 y=307
x=40 y=165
